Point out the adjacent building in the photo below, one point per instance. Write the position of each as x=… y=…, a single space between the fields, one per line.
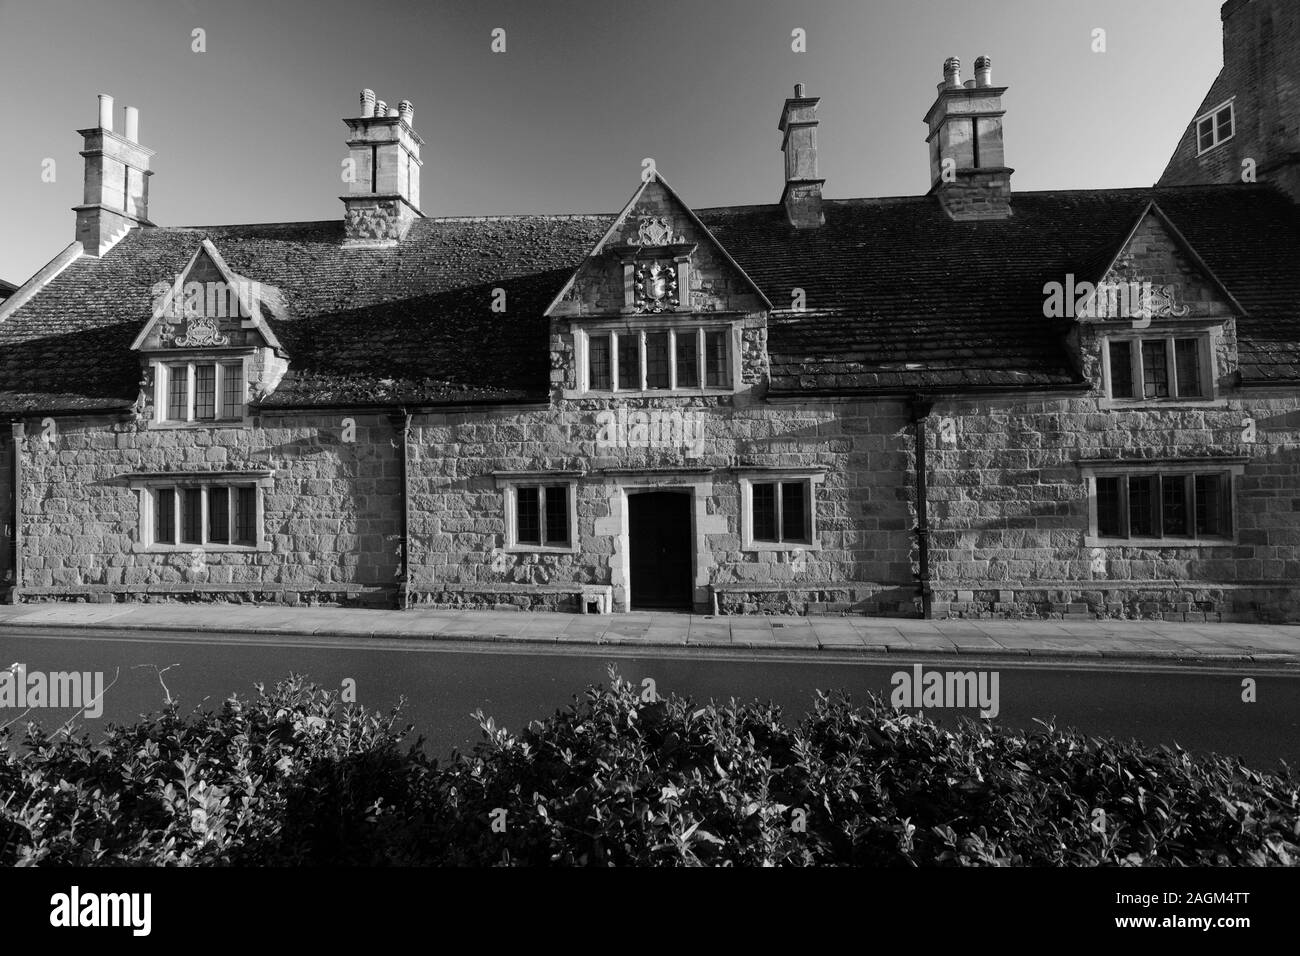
x=975 y=402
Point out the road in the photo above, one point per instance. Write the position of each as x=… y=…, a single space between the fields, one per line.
x=1199 y=707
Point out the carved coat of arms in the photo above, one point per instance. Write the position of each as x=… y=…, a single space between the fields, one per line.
x=656 y=287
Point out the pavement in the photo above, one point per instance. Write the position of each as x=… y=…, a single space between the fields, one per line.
x=1277 y=645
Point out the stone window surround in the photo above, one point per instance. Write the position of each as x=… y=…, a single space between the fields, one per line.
x=1230 y=467
x=161 y=375
x=656 y=322
x=748 y=478
x=145 y=484
x=1210 y=337
x=510 y=484
x=1213 y=114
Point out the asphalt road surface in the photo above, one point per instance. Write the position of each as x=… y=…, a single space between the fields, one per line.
x=1199 y=707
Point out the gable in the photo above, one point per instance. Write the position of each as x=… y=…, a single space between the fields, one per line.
x=207 y=305
x=657 y=257
x=1167 y=277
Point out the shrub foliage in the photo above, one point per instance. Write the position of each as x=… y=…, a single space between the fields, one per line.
x=294 y=777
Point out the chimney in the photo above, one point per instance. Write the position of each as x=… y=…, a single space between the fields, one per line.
x=967 y=171
x=383 y=198
x=116 y=196
x=802 y=195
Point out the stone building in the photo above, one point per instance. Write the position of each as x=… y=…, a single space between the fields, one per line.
x=975 y=402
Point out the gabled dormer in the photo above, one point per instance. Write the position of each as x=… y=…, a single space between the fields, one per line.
x=658 y=308
x=1156 y=326
x=208 y=350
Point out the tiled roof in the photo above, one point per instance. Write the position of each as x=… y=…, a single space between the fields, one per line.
x=897 y=297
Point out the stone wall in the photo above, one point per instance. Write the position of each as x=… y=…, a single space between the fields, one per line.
x=330 y=519
x=1007 y=503
x=6 y=515
x=458 y=504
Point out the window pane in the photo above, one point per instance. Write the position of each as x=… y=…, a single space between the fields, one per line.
x=178 y=393
x=688 y=359
x=764 y=512
x=1187 y=359
x=528 y=516
x=557 y=514
x=1121 y=369
x=232 y=389
x=246 y=515
x=205 y=391
x=1205 y=134
x=1212 y=514
x=598 y=362
x=794 y=522
x=191 y=516
x=629 y=361
x=1155 y=369
x=715 y=359
x=1142 y=507
x=219 y=515
x=656 y=360
x=1224 y=125
x=1173 y=503
x=1110 y=519
x=164 y=516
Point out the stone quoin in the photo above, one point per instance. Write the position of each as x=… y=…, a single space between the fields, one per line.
x=850 y=405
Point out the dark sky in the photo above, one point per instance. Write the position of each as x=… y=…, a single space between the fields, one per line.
x=250 y=131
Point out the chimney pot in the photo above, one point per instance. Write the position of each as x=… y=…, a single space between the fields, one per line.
x=392 y=111
x=798 y=91
x=983 y=71
x=367 y=104
x=407 y=112
x=969 y=84
x=381 y=108
x=132 y=124
x=952 y=71
x=105 y=112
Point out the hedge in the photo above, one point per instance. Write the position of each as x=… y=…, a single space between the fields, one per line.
x=294 y=777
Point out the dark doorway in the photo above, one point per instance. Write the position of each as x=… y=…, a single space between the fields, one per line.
x=659 y=528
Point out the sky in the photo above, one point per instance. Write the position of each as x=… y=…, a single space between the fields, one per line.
x=249 y=129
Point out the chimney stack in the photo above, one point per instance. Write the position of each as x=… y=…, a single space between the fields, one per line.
x=383 y=198
x=116 y=194
x=802 y=195
x=967 y=167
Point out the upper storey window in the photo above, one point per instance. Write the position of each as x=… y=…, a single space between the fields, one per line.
x=1217 y=126
x=1159 y=368
x=201 y=391
x=679 y=358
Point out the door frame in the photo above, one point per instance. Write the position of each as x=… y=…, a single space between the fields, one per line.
x=703 y=524
x=679 y=492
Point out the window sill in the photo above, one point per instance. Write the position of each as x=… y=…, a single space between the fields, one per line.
x=139 y=548
x=1091 y=541
x=708 y=390
x=789 y=546
x=206 y=423
x=1209 y=149
x=539 y=549
x=1161 y=404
